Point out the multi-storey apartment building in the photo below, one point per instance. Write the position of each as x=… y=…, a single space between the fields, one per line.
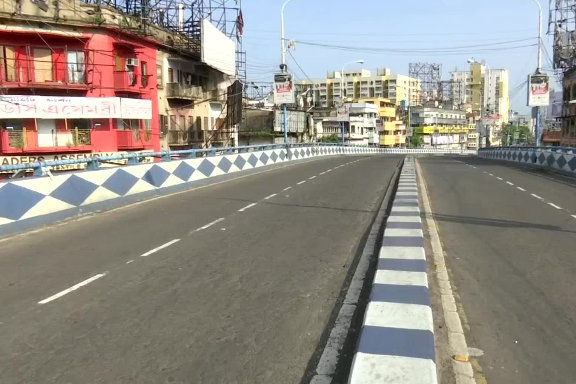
x=485 y=90
x=568 y=138
x=440 y=127
x=80 y=80
x=360 y=84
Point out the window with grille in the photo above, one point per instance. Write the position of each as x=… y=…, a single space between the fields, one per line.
x=76 y=67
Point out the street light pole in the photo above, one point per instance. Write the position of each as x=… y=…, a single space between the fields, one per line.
x=283 y=68
x=343 y=127
x=539 y=70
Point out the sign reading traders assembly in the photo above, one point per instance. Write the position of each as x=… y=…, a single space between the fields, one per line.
x=56 y=107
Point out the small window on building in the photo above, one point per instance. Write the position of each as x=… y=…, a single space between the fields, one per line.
x=163 y=120
x=80 y=124
x=173 y=124
x=11 y=124
x=198 y=123
x=212 y=124
x=206 y=124
x=128 y=124
x=159 y=76
x=182 y=123
x=8 y=63
x=76 y=67
x=42 y=65
x=144 y=70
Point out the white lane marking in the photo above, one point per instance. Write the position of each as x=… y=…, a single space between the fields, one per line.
x=160 y=247
x=554 y=205
x=269 y=197
x=129 y=261
x=574 y=216
x=491 y=174
x=536 y=196
x=329 y=171
x=522 y=189
x=287 y=188
x=247 y=207
x=499 y=178
x=302 y=182
x=322 y=173
x=312 y=178
x=72 y=288
x=484 y=171
x=473 y=167
x=210 y=224
x=509 y=183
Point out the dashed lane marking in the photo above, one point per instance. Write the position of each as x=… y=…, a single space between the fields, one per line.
x=269 y=197
x=160 y=247
x=322 y=173
x=72 y=288
x=247 y=207
x=554 y=205
x=311 y=177
x=210 y=224
x=302 y=182
x=499 y=178
x=522 y=189
x=287 y=188
x=509 y=183
x=536 y=196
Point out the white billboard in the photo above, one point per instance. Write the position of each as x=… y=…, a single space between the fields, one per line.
x=218 y=51
x=283 y=88
x=538 y=90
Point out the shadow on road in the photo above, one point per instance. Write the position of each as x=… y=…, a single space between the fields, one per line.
x=496 y=223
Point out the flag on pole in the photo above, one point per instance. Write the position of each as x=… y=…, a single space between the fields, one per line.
x=239 y=25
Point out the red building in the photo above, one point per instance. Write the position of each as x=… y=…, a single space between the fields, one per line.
x=73 y=91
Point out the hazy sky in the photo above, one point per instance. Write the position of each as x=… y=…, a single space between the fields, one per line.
x=392 y=34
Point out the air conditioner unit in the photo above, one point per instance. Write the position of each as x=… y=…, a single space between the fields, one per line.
x=132 y=62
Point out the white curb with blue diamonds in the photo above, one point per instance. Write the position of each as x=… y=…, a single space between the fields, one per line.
x=397 y=339
x=67 y=194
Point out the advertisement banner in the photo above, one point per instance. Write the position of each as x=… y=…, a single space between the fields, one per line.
x=555 y=107
x=343 y=112
x=16 y=160
x=136 y=109
x=538 y=90
x=283 y=88
x=57 y=107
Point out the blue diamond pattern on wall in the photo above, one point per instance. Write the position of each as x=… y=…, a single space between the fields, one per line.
x=206 y=167
x=156 y=176
x=184 y=171
x=296 y=154
x=225 y=165
x=120 y=182
x=21 y=200
x=282 y=155
x=561 y=162
x=307 y=152
x=74 y=190
x=274 y=156
x=264 y=158
x=252 y=160
x=240 y=162
x=526 y=157
x=572 y=163
x=551 y=160
x=541 y=158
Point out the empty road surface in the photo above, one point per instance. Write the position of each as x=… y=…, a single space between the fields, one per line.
x=509 y=234
x=231 y=283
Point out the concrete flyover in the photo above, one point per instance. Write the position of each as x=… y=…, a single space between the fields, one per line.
x=234 y=282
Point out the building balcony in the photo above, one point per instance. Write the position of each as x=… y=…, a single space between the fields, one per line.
x=388 y=112
x=388 y=140
x=29 y=141
x=389 y=126
x=134 y=139
x=178 y=137
x=186 y=92
x=126 y=82
x=217 y=95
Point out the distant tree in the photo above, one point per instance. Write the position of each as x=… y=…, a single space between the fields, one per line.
x=416 y=141
x=329 y=139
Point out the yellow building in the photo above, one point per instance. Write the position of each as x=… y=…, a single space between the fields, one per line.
x=392 y=131
x=359 y=85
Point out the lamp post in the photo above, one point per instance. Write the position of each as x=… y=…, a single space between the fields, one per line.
x=283 y=68
x=538 y=70
x=343 y=128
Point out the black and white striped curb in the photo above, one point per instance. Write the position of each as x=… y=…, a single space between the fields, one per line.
x=397 y=338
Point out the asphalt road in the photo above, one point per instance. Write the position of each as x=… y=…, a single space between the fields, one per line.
x=244 y=300
x=509 y=235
